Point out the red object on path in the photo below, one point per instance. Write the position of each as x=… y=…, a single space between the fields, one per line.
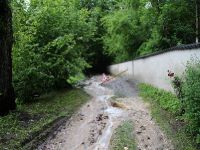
x=104 y=78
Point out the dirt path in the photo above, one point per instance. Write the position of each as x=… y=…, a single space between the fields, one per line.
x=92 y=127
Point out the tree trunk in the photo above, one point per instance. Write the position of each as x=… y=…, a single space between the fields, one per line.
x=7 y=96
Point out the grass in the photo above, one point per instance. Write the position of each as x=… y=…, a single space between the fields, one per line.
x=123 y=137
x=30 y=119
x=165 y=108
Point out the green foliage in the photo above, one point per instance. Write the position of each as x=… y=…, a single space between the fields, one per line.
x=95 y=55
x=55 y=41
x=174 y=128
x=191 y=97
x=166 y=100
x=167 y=117
x=123 y=32
x=74 y=80
x=152 y=44
x=178 y=27
x=177 y=85
x=187 y=90
x=123 y=137
x=31 y=118
x=50 y=46
x=139 y=27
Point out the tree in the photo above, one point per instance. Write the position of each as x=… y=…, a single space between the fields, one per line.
x=95 y=55
x=51 y=44
x=124 y=31
x=7 y=96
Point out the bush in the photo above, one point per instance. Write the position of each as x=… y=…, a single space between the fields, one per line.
x=191 y=90
x=165 y=108
x=177 y=85
x=50 y=47
x=187 y=89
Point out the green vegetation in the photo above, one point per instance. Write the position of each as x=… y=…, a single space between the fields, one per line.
x=165 y=108
x=123 y=137
x=51 y=42
x=191 y=97
x=139 y=27
x=56 y=42
x=24 y=124
x=166 y=100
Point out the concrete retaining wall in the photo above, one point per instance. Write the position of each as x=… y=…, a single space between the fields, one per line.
x=152 y=69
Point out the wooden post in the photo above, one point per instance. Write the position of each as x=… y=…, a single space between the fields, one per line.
x=197 y=23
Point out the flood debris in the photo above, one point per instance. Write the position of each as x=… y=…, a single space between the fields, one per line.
x=99 y=117
x=138 y=132
x=142 y=128
x=104 y=78
x=125 y=148
x=118 y=105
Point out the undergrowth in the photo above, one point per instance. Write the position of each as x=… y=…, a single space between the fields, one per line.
x=166 y=109
x=31 y=118
x=123 y=137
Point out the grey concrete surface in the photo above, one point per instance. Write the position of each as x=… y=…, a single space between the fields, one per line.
x=153 y=69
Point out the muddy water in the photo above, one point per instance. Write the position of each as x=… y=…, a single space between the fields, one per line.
x=95 y=89
x=92 y=126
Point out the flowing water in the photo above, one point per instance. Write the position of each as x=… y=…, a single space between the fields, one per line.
x=113 y=113
x=92 y=127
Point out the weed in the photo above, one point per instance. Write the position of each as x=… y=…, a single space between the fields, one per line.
x=165 y=108
x=123 y=137
x=29 y=119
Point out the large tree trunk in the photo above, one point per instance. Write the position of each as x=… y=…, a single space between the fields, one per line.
x=7 y=96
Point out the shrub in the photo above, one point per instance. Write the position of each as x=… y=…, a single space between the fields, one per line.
x=50 y=46
x=191 y=90
x=163 y=106
x=187 y=89
x=177 y=85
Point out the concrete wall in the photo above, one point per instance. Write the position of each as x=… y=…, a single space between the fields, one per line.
x=126 y=66
x=153 y=69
